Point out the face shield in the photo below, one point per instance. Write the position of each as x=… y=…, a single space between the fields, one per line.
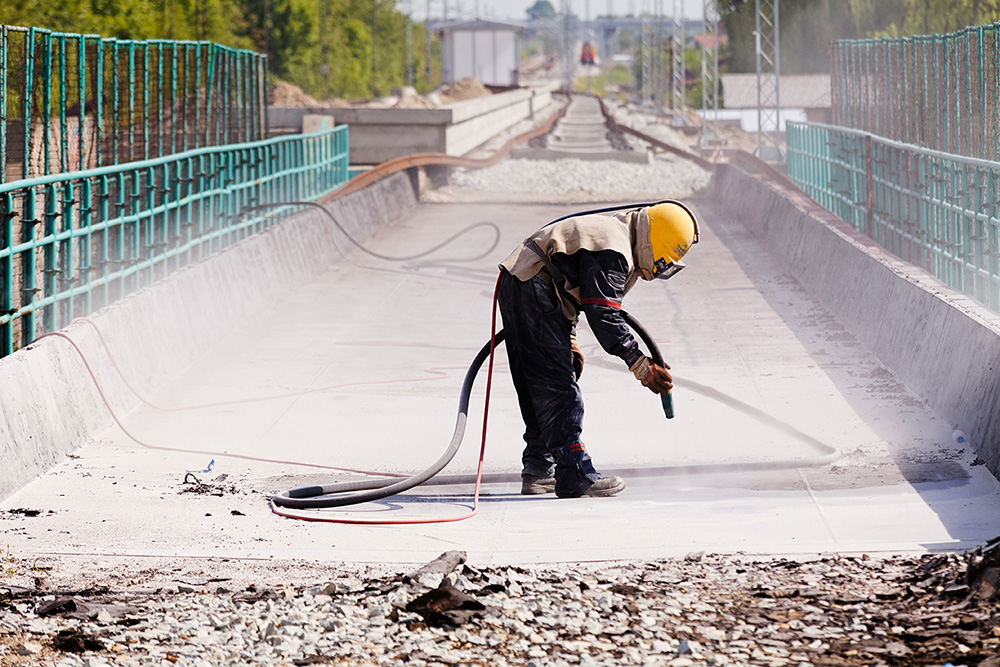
x=664 y=268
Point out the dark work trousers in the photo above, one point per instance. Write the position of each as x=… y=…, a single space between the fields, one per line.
x=538 y=350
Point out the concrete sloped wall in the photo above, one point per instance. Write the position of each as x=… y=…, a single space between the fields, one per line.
x=940 y=343
x=49 y=405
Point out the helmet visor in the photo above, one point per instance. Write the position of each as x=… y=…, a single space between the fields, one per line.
x=664 y=268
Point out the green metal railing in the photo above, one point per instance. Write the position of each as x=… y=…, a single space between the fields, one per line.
x=71 y=243
x=937 y=91
x=71 y=102
x=932 y=209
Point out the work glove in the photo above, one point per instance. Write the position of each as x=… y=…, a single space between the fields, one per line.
x=655 y=378
x=577 y=356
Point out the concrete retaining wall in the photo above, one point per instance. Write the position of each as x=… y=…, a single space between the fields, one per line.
x=378 y=135
x=943 y=345
x=49 y=405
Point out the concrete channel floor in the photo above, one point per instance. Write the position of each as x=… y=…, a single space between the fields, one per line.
x=390 y=342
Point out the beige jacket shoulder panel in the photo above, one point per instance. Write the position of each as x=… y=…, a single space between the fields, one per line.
x=593 y=232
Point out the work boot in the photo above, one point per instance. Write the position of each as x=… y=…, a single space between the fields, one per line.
x=535 y=486
x=602 y=488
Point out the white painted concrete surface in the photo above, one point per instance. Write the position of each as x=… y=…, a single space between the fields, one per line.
x=389 y=343
x=48 y=404
x=941 y=343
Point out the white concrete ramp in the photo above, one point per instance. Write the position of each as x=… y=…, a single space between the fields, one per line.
x=387 y=344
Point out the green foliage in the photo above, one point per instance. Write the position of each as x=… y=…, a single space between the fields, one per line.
x=808 y=27
x=342 y=48
x=542 y=9
x=614 y=81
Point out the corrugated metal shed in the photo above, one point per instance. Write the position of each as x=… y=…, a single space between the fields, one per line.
x=798 y=91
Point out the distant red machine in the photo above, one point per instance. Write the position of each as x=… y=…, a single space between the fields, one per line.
x=587 y=54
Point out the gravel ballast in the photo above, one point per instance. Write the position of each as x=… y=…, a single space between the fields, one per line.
x=677 y=177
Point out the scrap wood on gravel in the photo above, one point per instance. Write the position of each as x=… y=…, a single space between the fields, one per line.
x=699 y=610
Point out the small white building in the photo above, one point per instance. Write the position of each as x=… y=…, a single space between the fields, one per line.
x=488 y=51
x=802 y=96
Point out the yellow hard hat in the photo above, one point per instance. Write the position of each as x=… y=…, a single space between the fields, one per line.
x=673 y=229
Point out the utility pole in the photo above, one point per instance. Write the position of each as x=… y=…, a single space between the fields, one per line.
x=409 y=43
x=645 y=56
x=427 y=44
x=710 y=75
x=768 y=43
x=567 y=47
x=678 y=74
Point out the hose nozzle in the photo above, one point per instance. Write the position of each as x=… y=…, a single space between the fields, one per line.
x=667 y=400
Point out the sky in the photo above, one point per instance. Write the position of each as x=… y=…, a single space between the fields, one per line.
x=515 y=9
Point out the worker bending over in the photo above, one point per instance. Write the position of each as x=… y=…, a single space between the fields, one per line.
x=585 y=263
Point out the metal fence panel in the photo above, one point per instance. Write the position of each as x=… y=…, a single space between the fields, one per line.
x=72 y=243
x=935 y=210
x=937 y=91
x=70 y=102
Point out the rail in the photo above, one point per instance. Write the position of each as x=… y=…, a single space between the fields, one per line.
x=935 y=210
x=72 y=243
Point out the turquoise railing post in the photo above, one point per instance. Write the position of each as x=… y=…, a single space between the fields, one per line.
x=146 y=152
x=6 y=274
x=990 y=247
x=46 y=101
x=29 y=280
x=229 y=198
x=120 y=241
x=159 y=97
x=66 y=254
x=197 y=99
x=200 y=213
x=4 y=41
x=81 y=99
x=186 y=210
x=209 y=93
x=63 y=103
x=49 y=271
x=104 y=252
x=86 y=245
x=151 y=228
x=130 y=113
x=176 y=104
x=26 y=106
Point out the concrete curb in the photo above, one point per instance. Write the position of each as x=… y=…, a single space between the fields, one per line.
x=49 y=405
x=944 y=346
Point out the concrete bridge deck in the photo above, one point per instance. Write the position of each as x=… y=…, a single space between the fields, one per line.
x=390 y=342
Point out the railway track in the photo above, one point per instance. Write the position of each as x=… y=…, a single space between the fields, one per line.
x=581 y=128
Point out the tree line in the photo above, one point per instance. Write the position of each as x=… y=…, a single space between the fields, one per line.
x=807 y=27
x=330 y=48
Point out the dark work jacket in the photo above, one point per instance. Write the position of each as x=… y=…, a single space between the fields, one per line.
x=601 y=276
